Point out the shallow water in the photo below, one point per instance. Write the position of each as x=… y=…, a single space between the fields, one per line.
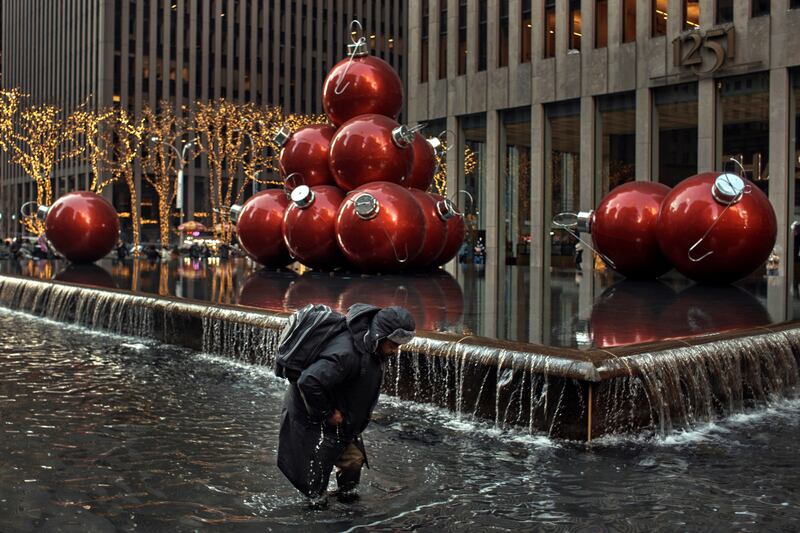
x=106 y=433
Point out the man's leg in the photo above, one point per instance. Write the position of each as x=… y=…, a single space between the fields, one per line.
x=348 y=468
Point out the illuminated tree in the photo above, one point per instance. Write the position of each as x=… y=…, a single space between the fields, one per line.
x=39 y=139
x=161 y=160
x=120 y=137
x=9 y=103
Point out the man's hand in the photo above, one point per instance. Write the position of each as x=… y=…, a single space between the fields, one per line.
x=336 y=418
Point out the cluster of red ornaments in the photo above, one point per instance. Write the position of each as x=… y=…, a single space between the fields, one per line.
x=713 y=228
x=355 y=191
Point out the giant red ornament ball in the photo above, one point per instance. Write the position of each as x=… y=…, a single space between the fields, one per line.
x=259 y=227
x=456 y=230
x=370 y=148
x=304 y=157
x=435 y=229
x=423 y=166
x=380 y=227
x=742 y=236
x=83 y=226
x=309 y=226
x=369 y=85
x=624 y=229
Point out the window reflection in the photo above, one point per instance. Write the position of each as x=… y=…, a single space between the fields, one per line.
x=423 y=47
x=473 y=163
x=525 y=49
x=517 y=186
x=691 y=14
x=502 y=59
x=442 y=39
x=659 y=17
x=628 y=21
x=676 y=119
x=564 y=169
x=724 y=11
x=575 y=24
x=617 y=139
x=462 y=37
x=744 y=102
x=601 y=24
x=550 y=28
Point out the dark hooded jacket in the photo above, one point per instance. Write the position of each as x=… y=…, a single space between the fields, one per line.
x=347 y=376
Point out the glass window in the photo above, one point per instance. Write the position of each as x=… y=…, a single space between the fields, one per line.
x=616 y=139
x=550 y=28
x=676 y=119
x=744 y=102
x=760 y=7
x=442 y=39
x=794 y=4
x=502 y=58
x=691 y=14
x=575 y=24
x=525 y=48
x=423 y=49
x=628 y=21
x=563 y=172
x=659 y=17
x=462 y=37
x=601 y=24
x=724 y=11
x=796 y=172
x=483 y=29
x=514 y=304
x=474 y=162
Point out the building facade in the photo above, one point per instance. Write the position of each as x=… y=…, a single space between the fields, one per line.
x=551 y=104
x=130 y=53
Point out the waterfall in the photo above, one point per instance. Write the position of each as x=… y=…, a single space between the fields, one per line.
x=563 y=393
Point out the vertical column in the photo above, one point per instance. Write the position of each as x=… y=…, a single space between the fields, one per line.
x=644 y=134
x=454 y=174
x=590 y=185
x=491 y=217
x=540 y=226
x=781 y=186
x=708 y=145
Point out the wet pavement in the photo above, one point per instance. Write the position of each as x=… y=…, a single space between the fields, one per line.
x=581 y=310
x=109 y=433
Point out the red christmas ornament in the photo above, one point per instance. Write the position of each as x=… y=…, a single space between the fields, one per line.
x=370 y=148
x=83 y=226
x=424 y=165
x=380 y=227
x=456 y=230
x=266 y=289
x=364 y=85
x=436 y=213
x=623 y=229
x=259 y=226
x=304 y=155
x=716 y=228
x=309 y=226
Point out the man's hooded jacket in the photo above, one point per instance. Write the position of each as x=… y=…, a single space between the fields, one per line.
x=347 y=376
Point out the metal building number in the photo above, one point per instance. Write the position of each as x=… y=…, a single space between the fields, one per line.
x=688 y=49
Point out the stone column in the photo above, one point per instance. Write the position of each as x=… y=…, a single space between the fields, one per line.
x=540 y=227
x=494 y=248
x=644 y=134
x=708 y=126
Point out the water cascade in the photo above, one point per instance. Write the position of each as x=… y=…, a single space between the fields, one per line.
x=560 y=392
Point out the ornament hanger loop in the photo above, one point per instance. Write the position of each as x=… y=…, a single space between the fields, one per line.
x=394 y=248
x=294 y=179
x=446 y=136
x=28 y=209
x=356 y=29
x=568 y=221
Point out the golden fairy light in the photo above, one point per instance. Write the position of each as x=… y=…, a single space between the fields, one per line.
x=162 y=162
x=38 y=139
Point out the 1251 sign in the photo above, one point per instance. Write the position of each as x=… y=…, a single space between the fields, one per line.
x=688 y=49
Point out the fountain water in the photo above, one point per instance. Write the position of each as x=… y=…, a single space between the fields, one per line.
x=562 y=392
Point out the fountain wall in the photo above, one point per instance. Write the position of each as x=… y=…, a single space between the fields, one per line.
x=560 y=392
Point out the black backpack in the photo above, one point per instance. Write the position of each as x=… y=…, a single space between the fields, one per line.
x=303 y=338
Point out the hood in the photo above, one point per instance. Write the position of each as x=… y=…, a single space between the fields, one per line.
x=359 y=317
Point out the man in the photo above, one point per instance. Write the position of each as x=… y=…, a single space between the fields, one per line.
x=330 y=405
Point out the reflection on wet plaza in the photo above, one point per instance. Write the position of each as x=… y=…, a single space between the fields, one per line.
x=565 y=308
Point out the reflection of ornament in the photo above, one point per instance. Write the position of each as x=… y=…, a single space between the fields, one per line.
x=380 y=227
x=365 y=84
x=309 y=226
x=83 y=226
x=304 y=156
x=370 y=148
x=716 y=228
x=456 y=230
x=90 y=274
x=623 y=229
x=259 y=226
x=424 y=165
x=266 y=290
x=436 y=214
